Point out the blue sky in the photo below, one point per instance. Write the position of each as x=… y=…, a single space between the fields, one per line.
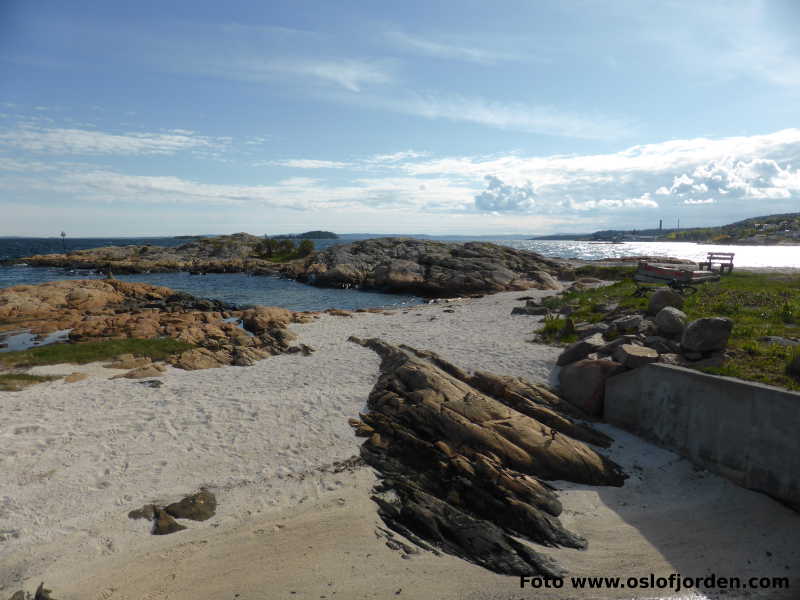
x=162 y=118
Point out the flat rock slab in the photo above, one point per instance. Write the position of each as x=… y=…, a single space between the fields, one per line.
x=633 y=356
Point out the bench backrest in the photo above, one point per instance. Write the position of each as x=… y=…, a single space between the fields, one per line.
x=726 y=256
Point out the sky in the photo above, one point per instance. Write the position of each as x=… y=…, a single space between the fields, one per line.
x=439 y=117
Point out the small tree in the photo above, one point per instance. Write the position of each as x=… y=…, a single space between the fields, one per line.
x=305 y=248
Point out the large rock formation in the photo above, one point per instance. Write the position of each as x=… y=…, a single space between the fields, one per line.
x=110 y=309
x=430 y=268
x=235 y=253
x=464 y=459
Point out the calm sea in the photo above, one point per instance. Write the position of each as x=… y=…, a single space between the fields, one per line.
x=243 y=289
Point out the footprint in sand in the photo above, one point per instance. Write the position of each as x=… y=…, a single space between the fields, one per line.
x=105 y=594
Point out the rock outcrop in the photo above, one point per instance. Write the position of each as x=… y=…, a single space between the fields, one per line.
x=93 y=310
x=464 y=458
x=235 y=253
x=430 y=268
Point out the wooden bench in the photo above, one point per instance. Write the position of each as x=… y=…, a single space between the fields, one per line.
x=723 y=259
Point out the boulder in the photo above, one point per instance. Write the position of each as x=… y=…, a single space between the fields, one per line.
x=583 y=383
x=671 y=321
x=197 y=507
x=581 y=349
x=627 y=323
x=664 y=297
x=633 y=356
x=706 y=335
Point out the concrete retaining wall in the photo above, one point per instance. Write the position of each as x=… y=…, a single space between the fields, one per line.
x=747 y=432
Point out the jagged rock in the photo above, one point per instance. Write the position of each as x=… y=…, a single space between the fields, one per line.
x=430 y=268
x=627 y=323
x=633 y=356
x=671 y=321
x=462 y=458
x=583 y=383
x=164 y=524
x=664 y=297
x=197 y=507
x=198 y=358
x=706 y=335
x=244 y=357
x=581 y=349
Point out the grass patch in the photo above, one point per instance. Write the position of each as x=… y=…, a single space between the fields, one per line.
x=759 y=304
x=14 y=382
x=86 y=352
x=604 y=272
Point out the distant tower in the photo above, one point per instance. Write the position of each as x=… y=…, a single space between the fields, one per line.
x=660 y=222
x=64 y=242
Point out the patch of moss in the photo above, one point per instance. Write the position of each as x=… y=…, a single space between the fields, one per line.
x=86 y=352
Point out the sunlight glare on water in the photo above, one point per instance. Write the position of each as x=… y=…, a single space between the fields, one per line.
x=746 y=256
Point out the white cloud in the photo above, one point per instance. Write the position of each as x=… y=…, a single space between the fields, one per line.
x=350 y=74
x=396 y=157
x=502 y=115
x=501 y=197
x=308 y=163
x=447 y=50
x=81 y=141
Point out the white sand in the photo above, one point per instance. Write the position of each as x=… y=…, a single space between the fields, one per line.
x=75 y=458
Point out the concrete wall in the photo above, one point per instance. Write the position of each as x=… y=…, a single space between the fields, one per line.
x=747 y=432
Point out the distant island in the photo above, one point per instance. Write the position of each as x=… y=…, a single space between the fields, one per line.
x=770 y=230
x=308 y=235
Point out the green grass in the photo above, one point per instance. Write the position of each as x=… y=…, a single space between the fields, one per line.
x=760 y=305
x=86 y=352
x=13 y=382
x=603 y=272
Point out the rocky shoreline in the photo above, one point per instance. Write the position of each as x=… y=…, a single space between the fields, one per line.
x=217 y=333
x=421 y=267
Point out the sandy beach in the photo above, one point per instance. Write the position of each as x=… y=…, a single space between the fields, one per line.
x=294 y=517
